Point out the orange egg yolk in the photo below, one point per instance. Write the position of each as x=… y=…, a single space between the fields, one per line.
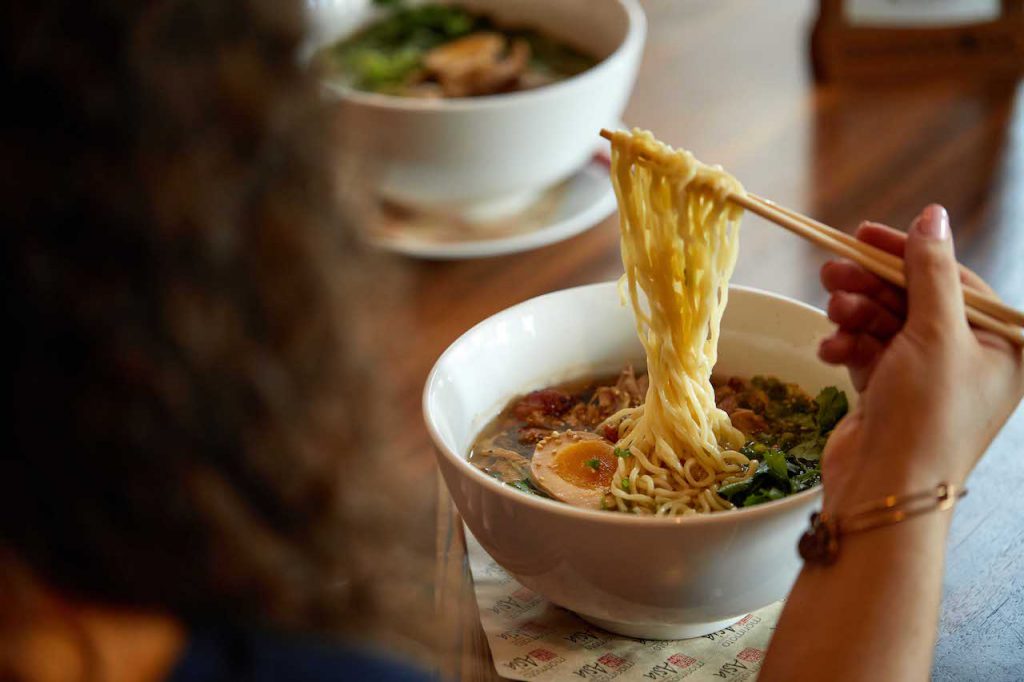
x=586 y=464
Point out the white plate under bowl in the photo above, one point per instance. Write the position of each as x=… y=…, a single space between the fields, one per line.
x=565 y=210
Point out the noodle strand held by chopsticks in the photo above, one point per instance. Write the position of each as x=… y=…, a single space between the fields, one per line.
x=680 y=238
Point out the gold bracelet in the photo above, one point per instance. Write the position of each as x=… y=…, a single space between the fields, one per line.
x=820 y=543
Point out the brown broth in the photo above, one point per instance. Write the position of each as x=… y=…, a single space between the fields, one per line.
x=774 y=415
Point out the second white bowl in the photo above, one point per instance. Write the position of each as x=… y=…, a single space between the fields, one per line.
x=491 y=155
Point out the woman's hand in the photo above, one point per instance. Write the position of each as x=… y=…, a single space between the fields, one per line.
x=933 y=391
x=933 y=394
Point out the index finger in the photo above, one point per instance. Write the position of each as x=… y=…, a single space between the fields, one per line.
x=882 y=237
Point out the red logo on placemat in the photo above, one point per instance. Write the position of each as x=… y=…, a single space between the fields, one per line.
x=681 y=660
x=750 y=655
x=611 y=660
x=542 y=654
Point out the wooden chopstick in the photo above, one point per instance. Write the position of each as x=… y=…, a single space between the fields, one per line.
x=974 y=296
x=982 y=310
x=887 y=272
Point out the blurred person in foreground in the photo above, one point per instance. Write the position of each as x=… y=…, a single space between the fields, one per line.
x=185 y=475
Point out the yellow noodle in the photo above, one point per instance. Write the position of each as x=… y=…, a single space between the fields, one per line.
x=679 y=243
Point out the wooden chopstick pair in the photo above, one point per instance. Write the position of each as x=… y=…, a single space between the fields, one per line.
x=983 y=310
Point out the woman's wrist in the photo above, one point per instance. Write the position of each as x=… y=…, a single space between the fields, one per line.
x=830 y=530
x=890 y=473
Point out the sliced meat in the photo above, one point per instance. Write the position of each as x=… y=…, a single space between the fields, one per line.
x=543 y=421
x=480 y=64
x=756 y=400
x=727 y=399
x=628 y=384
x=547 y=401
x=748 y=421
x=737 y=384
x=607 y=401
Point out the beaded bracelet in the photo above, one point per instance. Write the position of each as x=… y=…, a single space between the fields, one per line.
x=820 y=543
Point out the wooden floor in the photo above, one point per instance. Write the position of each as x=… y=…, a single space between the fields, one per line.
x=729 y=79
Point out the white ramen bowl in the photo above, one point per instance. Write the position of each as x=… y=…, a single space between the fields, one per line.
x=655 y=578
x=487 y=156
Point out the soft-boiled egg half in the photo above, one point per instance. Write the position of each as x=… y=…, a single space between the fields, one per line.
x=575 y=467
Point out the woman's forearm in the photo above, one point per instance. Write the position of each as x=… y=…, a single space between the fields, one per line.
x=870 y=616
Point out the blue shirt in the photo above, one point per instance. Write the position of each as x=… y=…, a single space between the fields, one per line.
x=222 y=654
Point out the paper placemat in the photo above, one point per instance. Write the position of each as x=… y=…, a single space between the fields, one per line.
x=532 y=639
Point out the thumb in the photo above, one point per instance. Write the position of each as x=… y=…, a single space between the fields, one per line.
x=934 y=297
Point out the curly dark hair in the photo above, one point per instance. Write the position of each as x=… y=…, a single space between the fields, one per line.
x=170 y=283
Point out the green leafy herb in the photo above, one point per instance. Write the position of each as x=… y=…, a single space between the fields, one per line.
x=735 y=489
x=809 y=449
x=801 y=421
x=594 y=464
x=832 y=406
x=766 y=495
x=778 y=474
x=789 y=452
x=624 y=484
x=776 y=461
x=522 y=485
x=384 y=56
x=808 y=479
x=526 y=485
x=775 y=389
x=623 y=452
x=387 y=55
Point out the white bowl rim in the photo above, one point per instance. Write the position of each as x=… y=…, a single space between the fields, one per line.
x=636 y=31
x=765 y=509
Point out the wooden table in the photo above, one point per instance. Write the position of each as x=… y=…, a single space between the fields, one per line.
x=730 y=80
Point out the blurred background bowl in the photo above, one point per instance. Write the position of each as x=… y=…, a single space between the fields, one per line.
x=655 y=578
x=491 y=155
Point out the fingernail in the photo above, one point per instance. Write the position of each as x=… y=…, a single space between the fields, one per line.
x=933 y=223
